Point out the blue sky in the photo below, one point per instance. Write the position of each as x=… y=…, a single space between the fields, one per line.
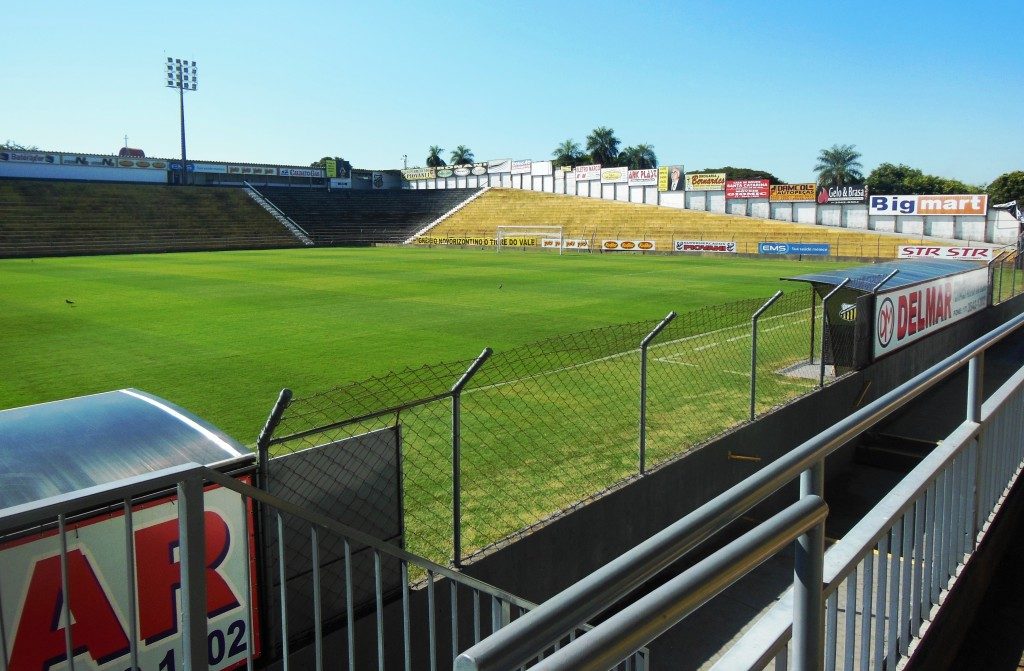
x=766 y=85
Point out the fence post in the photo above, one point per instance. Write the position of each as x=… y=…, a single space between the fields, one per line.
x=808 y=576
x=753 y=349
x=885 y=279
x=813 y=315
x=192 y=534
x=643 y=385
x=975 y=396
x=263 y=482
x=824 y=324
x=456 y=392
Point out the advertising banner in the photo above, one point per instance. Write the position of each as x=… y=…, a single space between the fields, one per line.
x=499 y=166
x=93 y=161
x=483 y=242
x=568 y=243
x=716 y=246
x=959 y=205
x=585 y=173
x=251 y=170
x=478 y=169
x=614 y=175
x=461 y=171
x=628 y=245
x=708 y=181
x=331 y=167
x=29 y=157
x=792 y=192
x=212 y=168
x=300 y=172
x=521 y=167
x=911 y=313
x=805 y=248
x=541 y=168
x=842 y=195
x=31 y=573
x=445 y=172
x=670 y=178
x=747 y=188
x=413 y=174
x=647 y=177
x=958 y=253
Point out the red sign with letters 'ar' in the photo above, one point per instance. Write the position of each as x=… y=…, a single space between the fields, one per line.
x=34 y=601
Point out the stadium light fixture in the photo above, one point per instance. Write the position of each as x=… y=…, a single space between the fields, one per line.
x=181 y=74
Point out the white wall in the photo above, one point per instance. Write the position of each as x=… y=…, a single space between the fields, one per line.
x=91 y=173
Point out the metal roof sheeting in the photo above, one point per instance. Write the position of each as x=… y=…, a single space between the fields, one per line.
x=60 y=447
x=864 y=278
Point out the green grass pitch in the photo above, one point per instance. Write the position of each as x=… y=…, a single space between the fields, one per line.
x=221 y=333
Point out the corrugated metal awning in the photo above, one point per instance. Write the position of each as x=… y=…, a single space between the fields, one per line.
x=864 y=278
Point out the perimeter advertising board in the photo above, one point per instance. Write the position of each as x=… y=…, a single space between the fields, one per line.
x=747 y=188
x=628 y=245
x=714 y=246
x=31 y=582
x=521 y=167
x=842 y=195
x=300 y=172
x=905 y=315
x=792 y=192
x=499 y=166
x=541 y=168
x=957 y=205
x=670 y=178
x=802 y=248
x=646 y=177
x=957 y=253
x=586 y=173
x=707 y=181
x=614 y=175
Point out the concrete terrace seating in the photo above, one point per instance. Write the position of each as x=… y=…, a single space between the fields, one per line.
x=345 y=217
x=47 y=218
x=598 y=220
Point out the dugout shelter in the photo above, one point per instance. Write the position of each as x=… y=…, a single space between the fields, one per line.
x=868 y=318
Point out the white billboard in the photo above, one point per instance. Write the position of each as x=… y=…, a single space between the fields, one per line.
x=521 y=167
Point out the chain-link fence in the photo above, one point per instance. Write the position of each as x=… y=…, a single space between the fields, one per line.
x=492 y=447
x=1007 y=278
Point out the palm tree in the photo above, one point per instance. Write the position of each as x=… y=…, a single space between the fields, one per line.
x=462 y=155
x=567 y=153
x=434 y=159
x=603 y=145
x=839 y=166
x=639 y=157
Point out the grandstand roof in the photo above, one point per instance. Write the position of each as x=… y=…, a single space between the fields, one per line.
x=864 y=278
x=64 y=446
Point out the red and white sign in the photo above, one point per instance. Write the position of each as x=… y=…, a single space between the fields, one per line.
x=521 y=167
x=958 y=253
x=31 y=583
x=585 y=173
x=568 y=243
x=628 y=245
x=647 y=177
x=953 y=205
x=716 y=246
x=911 y=313
x=747 y=188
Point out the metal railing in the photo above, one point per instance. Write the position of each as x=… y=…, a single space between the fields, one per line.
x=924 y=529
x=200 y=647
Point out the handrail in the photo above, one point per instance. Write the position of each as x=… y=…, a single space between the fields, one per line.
x=514 y=645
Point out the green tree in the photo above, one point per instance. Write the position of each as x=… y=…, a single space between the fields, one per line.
x=741 y=173
x=1008 y=186
x=11 y=145
x=344 y=167
x=639 y=157
x=603 y=145
x=839 y=165
x=567 y=153
x=462 y=155
x=888 y=179
x=434 y=159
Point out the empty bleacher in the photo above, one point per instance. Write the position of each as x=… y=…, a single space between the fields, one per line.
x=354 y=217
x=49 y=218
x=596 y=220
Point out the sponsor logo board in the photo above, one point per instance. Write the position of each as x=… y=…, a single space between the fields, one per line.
x=445 y=172
x=804 y=248
x=959 y=253
x=747 y=188
x=478 y=169
x=905 y=315
x=628 y=245
x=792 y=192
x=568 y=243
x=413 y=174
x=499 y=166
x=300 y=172
x=522 y=167
x=29 y=157
x=30 y=571
x=957 y=205
x=707 y=181
x=646 y=177
x=841 y=195
x=93 y=161
x=541 y=168
x=614 y=175
x=670 y=178
x=251 y=170
x=716 y=246
x=529 y=241
x=585 y=173
x=211 y=168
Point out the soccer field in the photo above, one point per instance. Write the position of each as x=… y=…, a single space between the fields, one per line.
x=221 y=333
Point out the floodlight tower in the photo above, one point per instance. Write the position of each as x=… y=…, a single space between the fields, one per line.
x=181 y=75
